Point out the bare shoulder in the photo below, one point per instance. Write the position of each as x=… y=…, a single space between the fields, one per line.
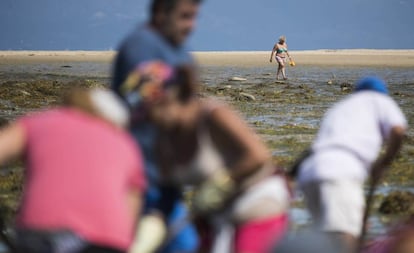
x=219 y=113
x=217 y=109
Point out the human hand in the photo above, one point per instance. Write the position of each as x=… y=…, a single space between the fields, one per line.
x=212 y=195
x=270 y=59
x=150 y=234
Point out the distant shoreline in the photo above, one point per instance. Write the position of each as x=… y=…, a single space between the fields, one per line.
x=336 y=57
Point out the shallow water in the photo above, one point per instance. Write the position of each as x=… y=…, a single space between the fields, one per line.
x=285 y=114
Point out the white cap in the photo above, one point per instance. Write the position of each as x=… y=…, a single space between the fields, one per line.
x=109 y=106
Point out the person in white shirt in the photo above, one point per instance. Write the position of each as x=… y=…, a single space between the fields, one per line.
x=346 y=152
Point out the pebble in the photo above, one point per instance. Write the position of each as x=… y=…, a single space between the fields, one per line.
x=237 y=79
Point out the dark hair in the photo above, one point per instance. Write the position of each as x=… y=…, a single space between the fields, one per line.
x=167 y=5
x=186 y=78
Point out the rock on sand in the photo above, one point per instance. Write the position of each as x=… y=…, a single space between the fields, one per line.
x=237 y=79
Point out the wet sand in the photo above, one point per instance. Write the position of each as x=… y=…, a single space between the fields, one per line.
x=396 y=58
x=13 y=57
x=355 y=57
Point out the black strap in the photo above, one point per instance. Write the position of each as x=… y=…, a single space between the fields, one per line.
x=5 y=237
x=294 y=168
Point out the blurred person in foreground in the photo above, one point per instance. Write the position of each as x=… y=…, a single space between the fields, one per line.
x=345 y=152
x=399 y=239
x=238 y=196
x=148 y=48
x=308 y=241
x=280 y=52
x=83 y=176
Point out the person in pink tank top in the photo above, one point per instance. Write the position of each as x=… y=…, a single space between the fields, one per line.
x=83 y=178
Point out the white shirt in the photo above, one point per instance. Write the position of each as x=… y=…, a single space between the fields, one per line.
x=351 y=135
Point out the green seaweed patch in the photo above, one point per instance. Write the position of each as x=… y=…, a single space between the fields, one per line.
x=286 y=150
x=297 y=129
x=267 y=131
x=30 y=95
x=283 y=161
x=288 y=129
x=11 y=188
x=401 y=173
x=86 y=83
x=398 y=202
x=409 y=140
x=18 y=97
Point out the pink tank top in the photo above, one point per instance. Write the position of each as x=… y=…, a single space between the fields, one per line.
x=79 y=171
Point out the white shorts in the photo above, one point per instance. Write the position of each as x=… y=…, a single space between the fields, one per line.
x=336 y=206
x=267 y=198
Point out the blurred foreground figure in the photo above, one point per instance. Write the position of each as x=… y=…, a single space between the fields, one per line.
x=399 y=239
x=84 y=176
x=309 y=241
x=141 y=54
x=346 y=152
x=237 y=195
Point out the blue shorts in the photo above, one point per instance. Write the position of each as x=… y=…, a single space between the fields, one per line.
x=167 y=200
x=185 y=239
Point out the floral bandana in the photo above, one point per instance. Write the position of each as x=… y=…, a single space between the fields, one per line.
x=146 y=85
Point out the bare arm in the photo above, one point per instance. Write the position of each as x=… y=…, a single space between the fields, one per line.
x=393 y=145
x=244 y=154
x=150 y=230
x=252 y=152
x=273 y=52
x=12 y=142
x=287 y=53
x=134 y=204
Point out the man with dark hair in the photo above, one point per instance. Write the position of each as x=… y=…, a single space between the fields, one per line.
x=156 y=49
x=163 y=38
x=166 y=5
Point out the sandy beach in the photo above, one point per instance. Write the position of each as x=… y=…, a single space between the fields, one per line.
x=360 y=57
x=356 y=57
